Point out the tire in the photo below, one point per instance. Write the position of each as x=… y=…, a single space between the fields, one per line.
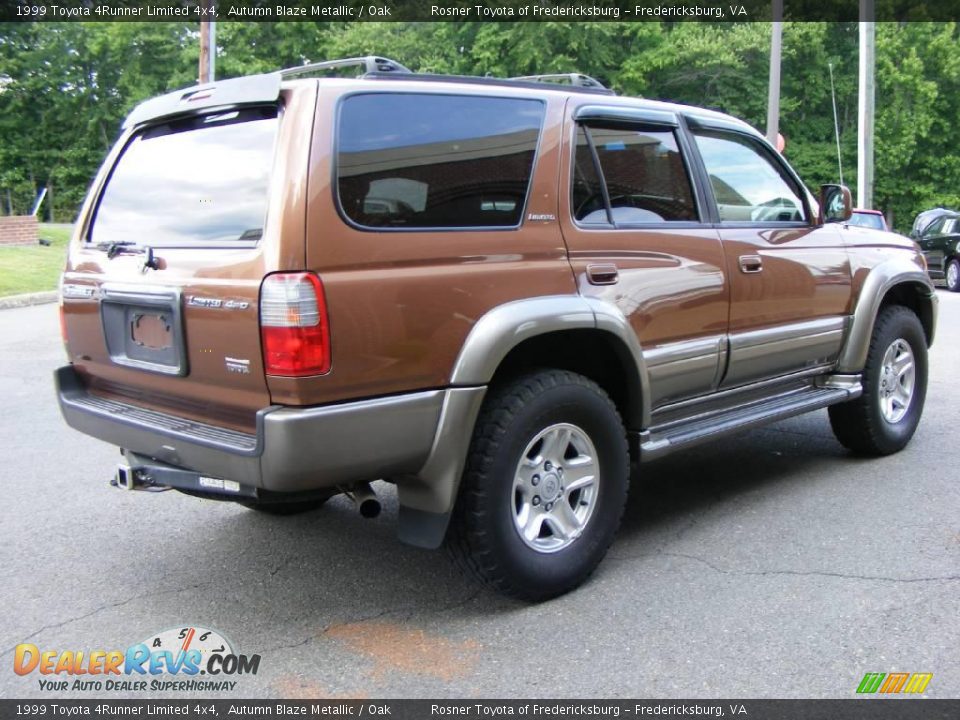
x=883 y=419
x=535 y=434
x=952 y=275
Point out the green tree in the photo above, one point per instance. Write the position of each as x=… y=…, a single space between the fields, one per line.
x=71 y=85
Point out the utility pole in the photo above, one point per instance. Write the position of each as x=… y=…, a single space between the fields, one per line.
x=773 y=94
x=208 y=46
x=213 y=50
x=204 y=52
x=866 y=106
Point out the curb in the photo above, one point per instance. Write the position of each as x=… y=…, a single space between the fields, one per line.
x=38 y=298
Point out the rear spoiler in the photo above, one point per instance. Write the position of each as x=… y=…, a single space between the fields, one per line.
x=249 y=90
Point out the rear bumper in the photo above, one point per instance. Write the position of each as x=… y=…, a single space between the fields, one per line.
x=292 y=449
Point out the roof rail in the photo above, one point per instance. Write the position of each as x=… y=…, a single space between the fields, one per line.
x=370 y=64
x=475 y=80
x=575 y=79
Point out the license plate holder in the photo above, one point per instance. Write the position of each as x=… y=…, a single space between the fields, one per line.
x=143 y=328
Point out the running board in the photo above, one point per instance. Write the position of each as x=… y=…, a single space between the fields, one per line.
x=664 y=440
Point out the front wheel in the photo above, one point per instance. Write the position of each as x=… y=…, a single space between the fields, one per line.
x=953 y=275
x=544 y=487
x=883 y=419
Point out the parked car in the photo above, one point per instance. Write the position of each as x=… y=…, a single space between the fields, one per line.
x=499 y=295
x=940 y=244
x=924 y=219
x=868 y=218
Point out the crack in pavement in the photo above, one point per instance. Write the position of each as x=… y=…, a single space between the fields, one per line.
x=100 y=609
x=799 y=573
x=282 y=565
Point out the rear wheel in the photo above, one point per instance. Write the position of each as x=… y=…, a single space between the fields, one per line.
x=953 y=275
x=883 y=419
x=544 y=488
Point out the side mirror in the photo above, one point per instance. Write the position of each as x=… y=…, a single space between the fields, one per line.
x=836 y=204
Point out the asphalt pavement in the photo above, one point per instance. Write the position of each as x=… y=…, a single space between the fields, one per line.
x=770 y=565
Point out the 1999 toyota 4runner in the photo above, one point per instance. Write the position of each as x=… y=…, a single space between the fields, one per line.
x=499 y=295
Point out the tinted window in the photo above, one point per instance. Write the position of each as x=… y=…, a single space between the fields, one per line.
x=197 y=181
x=645 y=178
x=934 y=228
x=424 y=161
x=747 y=185
x=587 y=190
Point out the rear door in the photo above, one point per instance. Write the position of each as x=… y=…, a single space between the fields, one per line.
x=162 y=285
x=633 y=221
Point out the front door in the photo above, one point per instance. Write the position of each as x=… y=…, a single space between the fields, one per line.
x=790 y=289
x=935 y=239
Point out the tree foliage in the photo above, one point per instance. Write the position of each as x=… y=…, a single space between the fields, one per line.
x=71 y=84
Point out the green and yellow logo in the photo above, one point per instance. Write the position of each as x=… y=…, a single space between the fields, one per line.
x=889 y=683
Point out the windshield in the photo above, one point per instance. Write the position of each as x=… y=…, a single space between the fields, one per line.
x=198 y=181
x=870 y=220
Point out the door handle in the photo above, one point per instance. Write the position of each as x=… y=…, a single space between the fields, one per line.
x=751 y=263
x=605 y=274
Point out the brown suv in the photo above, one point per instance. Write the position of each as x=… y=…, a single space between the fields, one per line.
x=499 y=295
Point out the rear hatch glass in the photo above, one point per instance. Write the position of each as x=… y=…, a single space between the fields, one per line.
x=188 y=182
x=181 y=334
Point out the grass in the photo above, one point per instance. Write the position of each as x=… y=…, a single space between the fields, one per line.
x=34 y=268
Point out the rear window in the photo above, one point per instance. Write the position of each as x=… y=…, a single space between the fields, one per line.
x=410 y=161
x=199 y=181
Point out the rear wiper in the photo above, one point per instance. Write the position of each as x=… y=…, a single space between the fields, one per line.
x=119 y=247
x=128 y=247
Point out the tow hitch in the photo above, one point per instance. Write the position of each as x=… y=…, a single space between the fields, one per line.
x=127 y=478
x=135 y=472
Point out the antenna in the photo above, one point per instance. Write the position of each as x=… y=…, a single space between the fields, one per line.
x=836 y=125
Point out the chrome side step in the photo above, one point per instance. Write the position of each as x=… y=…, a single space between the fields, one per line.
x=665 y=439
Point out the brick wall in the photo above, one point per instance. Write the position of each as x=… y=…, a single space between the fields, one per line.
x=18 y=230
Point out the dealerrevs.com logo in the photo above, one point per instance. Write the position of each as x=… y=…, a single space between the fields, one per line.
x=894 y=683
x=171 y=660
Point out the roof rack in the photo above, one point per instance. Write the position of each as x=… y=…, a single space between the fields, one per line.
x=370 y=64
x=497 y=82
x=376 y=67
x=574 y=79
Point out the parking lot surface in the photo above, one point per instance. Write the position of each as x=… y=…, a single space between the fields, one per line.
x=773 y=564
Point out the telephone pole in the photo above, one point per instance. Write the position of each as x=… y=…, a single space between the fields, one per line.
x=208 y=47
x=773 y=93
x=865 y=106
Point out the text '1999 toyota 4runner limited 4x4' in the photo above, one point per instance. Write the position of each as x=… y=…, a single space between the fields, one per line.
x=499 y=295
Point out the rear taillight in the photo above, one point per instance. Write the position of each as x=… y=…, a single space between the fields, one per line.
x=293 y=325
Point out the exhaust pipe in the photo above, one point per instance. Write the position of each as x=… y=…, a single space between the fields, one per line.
x=365 y=499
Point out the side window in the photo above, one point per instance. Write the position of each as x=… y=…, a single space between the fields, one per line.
x=643 y=173
x=935 y=228
x=428 y=161
x=747 y=185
